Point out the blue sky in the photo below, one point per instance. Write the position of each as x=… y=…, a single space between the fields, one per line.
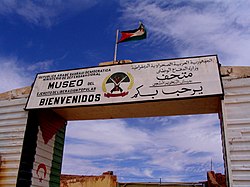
x=48 y=35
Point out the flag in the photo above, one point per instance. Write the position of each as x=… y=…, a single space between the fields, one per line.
x=136 y=34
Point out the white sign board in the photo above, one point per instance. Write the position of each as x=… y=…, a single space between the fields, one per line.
x=136 y=82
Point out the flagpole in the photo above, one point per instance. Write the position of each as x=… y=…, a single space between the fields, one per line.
x=116 y=45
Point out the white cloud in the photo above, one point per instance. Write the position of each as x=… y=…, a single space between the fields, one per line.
x=115 y=136
x=12 y=74
x=196 y=27
x=183 y=144
x=193 y=133
x=44 y=12
x=84 y=167
x=190 y=140
x=41 y=65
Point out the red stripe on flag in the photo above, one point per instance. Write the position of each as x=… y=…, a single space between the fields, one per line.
x=124 y=36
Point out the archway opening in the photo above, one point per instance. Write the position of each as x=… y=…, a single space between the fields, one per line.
x=152 y=149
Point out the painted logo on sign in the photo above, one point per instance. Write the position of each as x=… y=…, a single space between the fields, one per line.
x=117 y=84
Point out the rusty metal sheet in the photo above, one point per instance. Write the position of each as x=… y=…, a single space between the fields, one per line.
x=13 y=120
x=236 y=130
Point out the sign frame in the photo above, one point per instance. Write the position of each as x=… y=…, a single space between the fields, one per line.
x=129 y=77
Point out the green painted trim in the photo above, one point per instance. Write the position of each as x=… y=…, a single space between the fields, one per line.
x=57 y=158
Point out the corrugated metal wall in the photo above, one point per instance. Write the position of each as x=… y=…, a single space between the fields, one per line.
x=50 y=142
x=57 y=158
x=42 y=150
x=236 y=116
x=13 y=121
x=31 y=144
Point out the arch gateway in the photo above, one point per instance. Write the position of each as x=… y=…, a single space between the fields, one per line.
x=33 y=120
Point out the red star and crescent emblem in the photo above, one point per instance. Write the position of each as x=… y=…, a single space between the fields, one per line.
x=41 y=166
